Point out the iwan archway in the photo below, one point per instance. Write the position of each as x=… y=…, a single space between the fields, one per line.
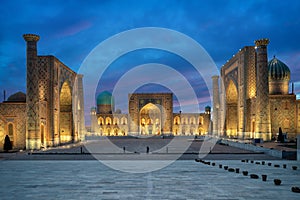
x=65 y=115
x=150 y=120
x=231 y=109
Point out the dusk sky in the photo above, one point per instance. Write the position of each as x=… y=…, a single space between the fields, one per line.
x=70 y=30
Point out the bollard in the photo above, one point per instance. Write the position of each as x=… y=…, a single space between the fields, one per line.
x=254 y=176
x=245 y=173
x=220 y=166
x=277 y=181
x=237 y=170
x=295 y=189
x=231 y=170
x=264 y=177
x=225 y=167
x=284 y=166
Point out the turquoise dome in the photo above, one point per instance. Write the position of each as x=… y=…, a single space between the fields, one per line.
x=278 y=71
x=105 y=98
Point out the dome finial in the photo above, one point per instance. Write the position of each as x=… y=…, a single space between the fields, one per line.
x=274 y=56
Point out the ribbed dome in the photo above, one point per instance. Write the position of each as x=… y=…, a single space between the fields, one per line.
x=17 y=97
x=278 y=71
x=105 y=98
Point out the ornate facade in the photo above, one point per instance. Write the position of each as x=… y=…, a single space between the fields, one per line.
x=52 y=112
x=253 y=99
x=148 y=114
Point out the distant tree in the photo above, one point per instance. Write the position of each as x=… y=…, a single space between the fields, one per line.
x=7 y=144
x=280 y=136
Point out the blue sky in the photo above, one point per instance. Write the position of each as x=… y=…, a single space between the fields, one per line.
x=70 y=29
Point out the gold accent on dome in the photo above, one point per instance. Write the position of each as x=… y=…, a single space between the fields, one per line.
x=31 y=37
x=262 y=42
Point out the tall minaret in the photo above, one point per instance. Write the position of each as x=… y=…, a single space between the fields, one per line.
x=216 y=105
x=33 y=138
x=262 y=122
x=80 y=107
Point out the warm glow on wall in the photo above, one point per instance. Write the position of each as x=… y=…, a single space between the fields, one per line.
x=251 y=92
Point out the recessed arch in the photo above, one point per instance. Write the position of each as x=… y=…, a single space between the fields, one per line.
x=231 y=120
x=100 y=121
x=11 y=132
x=66 y=116
x=123 y=120
x=108 y=121
x=231 y=92
x=177 y=120
x=150 y=120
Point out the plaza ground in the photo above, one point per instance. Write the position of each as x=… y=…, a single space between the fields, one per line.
x=115 y=148
x=71 y=172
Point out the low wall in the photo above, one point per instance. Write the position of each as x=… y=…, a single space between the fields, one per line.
x=251 y=147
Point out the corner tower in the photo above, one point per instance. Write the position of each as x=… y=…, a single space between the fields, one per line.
x=216 y=104
x=32 y=90
x=263 y=124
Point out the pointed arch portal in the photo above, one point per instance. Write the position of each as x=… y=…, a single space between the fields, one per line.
x=150 y=120
x=231 y=120
x=66 y=117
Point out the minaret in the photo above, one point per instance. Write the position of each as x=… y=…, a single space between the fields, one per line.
x=216 y=105
x=80 y=107
x=33 y=138
x=262 y=125
x=93 y=115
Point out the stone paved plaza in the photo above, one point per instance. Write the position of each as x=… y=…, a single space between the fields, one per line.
x=65 y=173
x=180 y=180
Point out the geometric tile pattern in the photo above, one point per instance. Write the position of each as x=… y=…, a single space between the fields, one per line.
x=45 y=78
x=263 y=124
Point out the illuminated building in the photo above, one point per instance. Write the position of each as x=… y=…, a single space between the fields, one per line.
x=149 y=114
x=51 y=113
x=254 y=99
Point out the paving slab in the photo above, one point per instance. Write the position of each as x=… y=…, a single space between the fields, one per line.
x=184 y=179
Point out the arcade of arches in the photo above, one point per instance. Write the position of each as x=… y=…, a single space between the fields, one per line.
x=149 y=114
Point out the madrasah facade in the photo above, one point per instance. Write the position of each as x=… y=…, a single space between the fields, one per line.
x=51 y=112
x=252 y=97
x=149 y=114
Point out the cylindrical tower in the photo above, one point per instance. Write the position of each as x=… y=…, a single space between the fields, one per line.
x=216 y=104
x=33 y=139
x=262 y=124
x=93 y=115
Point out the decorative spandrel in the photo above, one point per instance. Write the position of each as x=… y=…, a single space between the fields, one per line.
x=143 y=102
